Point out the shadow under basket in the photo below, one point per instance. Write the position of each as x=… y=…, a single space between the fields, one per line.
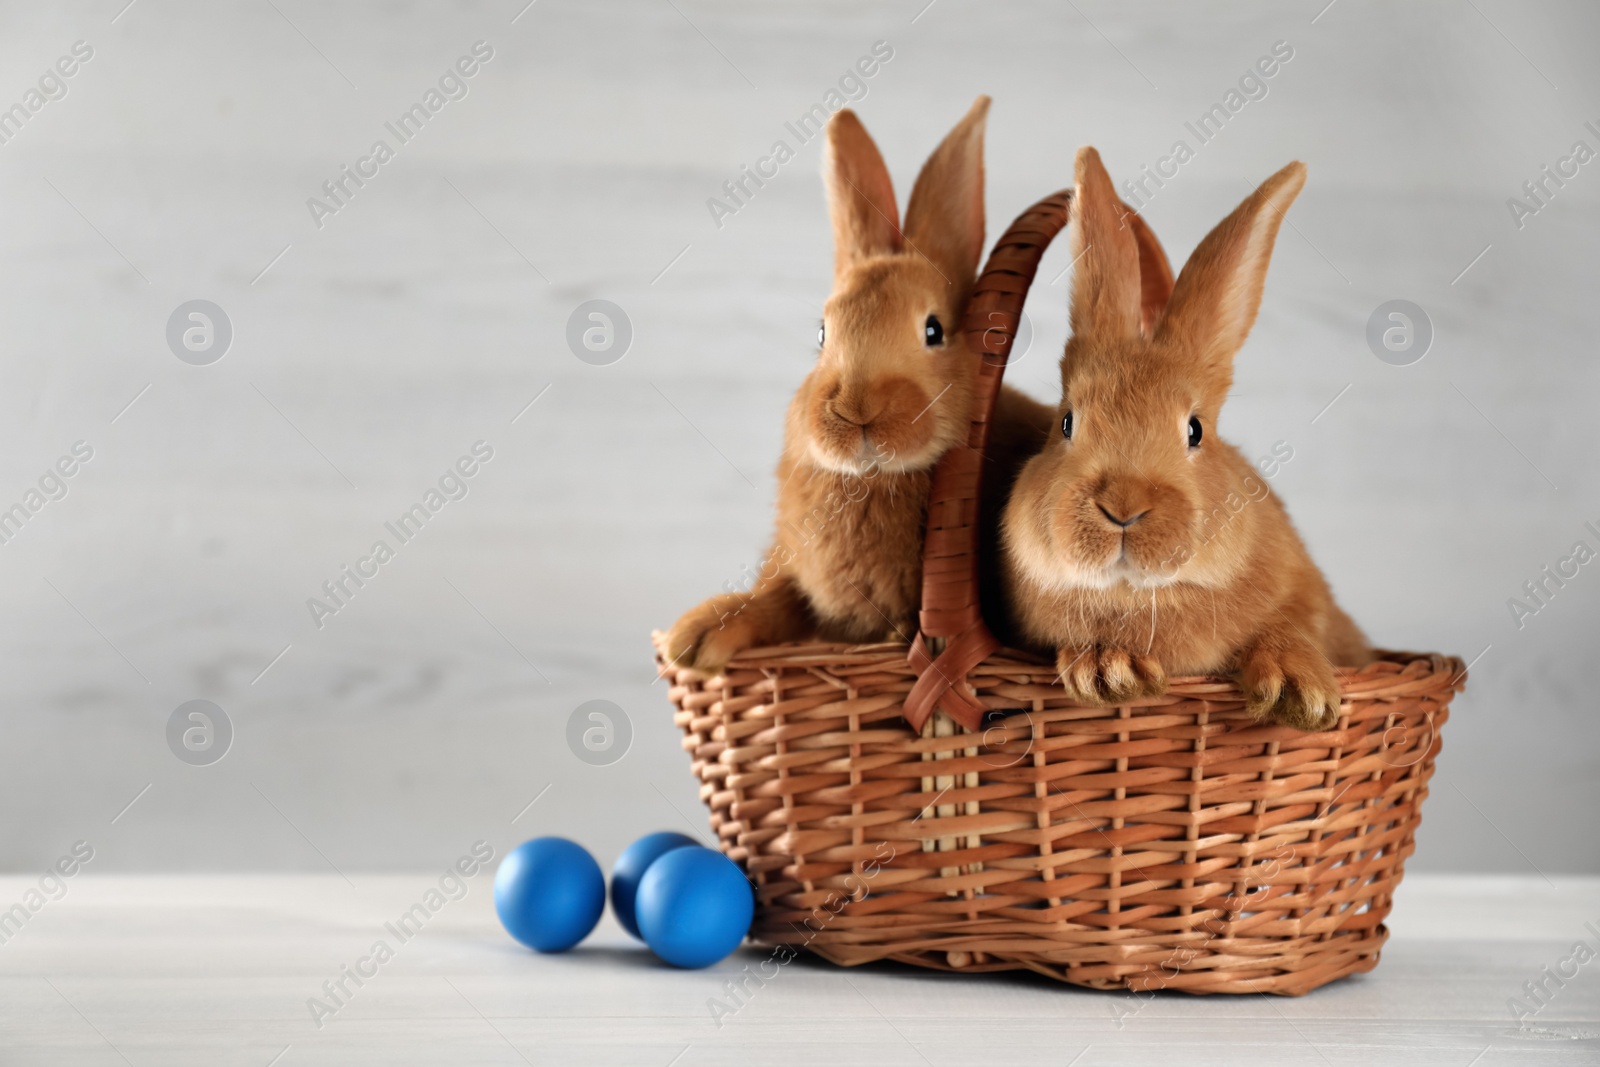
x=944 y=804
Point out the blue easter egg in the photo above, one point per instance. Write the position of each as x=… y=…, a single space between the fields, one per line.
x=631 y=865
x=694 y=906
x=549 y=893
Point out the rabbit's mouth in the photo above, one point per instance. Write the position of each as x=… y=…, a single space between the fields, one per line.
x=869 y=455
x=1059 y=570
x=1143 y=558
x=1097 y=539
x=891 y=427
x=872 y=455
x=1124 y=569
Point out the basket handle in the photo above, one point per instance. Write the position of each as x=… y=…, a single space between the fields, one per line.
x=950 y=615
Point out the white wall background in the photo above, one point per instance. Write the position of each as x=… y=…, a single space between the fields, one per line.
x=177 y=567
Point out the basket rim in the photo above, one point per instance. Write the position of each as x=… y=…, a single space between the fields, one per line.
x=1015 y=661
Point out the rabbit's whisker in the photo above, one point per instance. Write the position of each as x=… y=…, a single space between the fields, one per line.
x=1150 y=644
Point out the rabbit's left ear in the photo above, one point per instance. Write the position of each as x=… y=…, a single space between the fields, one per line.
x=1155 y=273
x=1218 y=293
x=944 y=218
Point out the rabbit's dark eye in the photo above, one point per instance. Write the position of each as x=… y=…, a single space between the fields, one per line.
x=822 y=333
x=933 y=331
x=1194 y=431
x=1066 y=426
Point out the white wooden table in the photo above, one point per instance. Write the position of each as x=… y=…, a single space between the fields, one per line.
x=173 y=971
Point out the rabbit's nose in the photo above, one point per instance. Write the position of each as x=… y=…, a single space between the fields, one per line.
x=855 y=411
x=1122 y=522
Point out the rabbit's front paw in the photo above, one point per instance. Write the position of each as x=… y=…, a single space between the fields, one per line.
x=709 y=634
x=1100 y=675
x=1293 y=686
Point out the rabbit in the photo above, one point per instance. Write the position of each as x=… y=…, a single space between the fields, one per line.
x=1137 y=543
x=891 y=391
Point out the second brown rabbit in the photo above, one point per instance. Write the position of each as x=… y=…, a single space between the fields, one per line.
x=1138 y=544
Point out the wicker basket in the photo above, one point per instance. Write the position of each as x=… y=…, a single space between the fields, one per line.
x=944 y=804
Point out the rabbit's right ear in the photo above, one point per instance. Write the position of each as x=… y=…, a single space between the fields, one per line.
x=860 y=194
x=1107 y=301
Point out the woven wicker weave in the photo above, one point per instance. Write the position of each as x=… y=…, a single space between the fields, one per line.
x=1172 y=843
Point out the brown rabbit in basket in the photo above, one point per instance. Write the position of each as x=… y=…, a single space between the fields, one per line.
x=1137 y=543
x=890 y=393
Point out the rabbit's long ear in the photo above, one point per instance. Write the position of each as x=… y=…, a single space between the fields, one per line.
x=860 y=195
x=1155 y=273
x=1106 y=298
x=1218 y=293
x=944 y=220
